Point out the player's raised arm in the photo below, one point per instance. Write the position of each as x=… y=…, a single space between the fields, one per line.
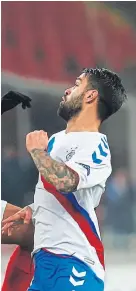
x=56 y=173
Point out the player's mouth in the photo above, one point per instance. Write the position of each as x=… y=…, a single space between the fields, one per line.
x=64 y=99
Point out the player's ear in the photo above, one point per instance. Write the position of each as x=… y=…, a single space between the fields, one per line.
x=91 y=95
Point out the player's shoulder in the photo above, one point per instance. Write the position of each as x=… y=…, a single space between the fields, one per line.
x=96 y=138
x=95 y=145
x=90 y=139
x=100 y=150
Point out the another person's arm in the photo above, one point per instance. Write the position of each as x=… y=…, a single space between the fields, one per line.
x=12 y=99
x=8 y=209
x=20 y=233
x=23 y=234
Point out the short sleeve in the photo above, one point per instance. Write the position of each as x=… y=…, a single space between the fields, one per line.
x=93 y=165
x=3 y=206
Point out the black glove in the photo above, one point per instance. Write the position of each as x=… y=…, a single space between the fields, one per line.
x=12 y=99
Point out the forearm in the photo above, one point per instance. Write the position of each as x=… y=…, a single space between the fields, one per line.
x=56 y=173
x=10 y=210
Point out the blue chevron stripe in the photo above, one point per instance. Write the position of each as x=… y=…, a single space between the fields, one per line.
x=105 y=138
x=105 y=143
x=95 y=159
x=50 y=145
x=102 y=152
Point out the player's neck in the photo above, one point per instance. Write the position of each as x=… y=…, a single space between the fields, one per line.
x=81 y=123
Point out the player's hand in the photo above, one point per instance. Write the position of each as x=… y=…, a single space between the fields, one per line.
x=37 y=140
x=12 y=99
x=22 y=216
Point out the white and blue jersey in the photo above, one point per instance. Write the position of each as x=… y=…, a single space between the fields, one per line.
x=66 y=223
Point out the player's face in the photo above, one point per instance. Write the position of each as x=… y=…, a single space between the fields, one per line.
x=72 y=101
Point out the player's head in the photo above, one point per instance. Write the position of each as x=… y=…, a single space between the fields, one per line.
x=95 y=89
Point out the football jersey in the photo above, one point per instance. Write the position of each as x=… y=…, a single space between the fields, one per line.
x=66 y=223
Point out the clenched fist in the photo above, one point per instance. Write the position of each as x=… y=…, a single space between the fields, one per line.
x=37 y=139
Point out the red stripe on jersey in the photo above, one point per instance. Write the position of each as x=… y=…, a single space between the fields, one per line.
x=79 y=218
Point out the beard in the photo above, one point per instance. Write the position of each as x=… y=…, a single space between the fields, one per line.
x=70 y=108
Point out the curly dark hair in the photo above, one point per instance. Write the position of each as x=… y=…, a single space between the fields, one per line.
x=111 y=93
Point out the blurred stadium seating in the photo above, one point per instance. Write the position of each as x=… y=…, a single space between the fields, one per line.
x=44 y=47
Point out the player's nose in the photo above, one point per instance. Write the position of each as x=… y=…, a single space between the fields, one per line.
x=67 y=91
